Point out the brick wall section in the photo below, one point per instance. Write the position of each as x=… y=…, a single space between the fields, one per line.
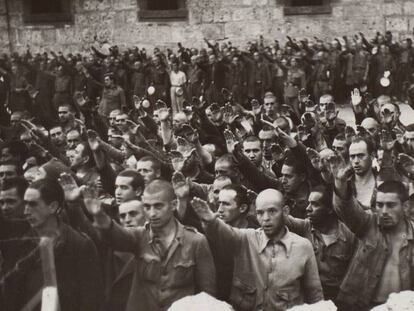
x=235 y=20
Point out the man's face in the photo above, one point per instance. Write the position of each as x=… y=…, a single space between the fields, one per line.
x=224 y=168
x=121 y=122
x=7 y=171
x=211 y=59
x=360 y=160
x=271 y=215
x=57 y=136
x=73 y=139
x=270 y=106
x=290 y=179
x=390 y=209
x=108 y=82
x=124 y=191
x=340 y=146
x=75 y=157
x=11 y=204
x=371 y=127
x=131 y=214
x=316 y=211
x=26 y=138
x=36 y=211
x=64 y=114
x=15 y=119
x=158 y=209
x=228 y=209
x=114 y=139
x=6 y=154
x=112 y=118
x=218 y=184
x=409 y=138
x=146 y=170
x=253 y=150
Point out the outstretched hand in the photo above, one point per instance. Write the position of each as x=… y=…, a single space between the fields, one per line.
x=203 y=210
x=340 y=170
x=231 y=140
x=91 y=201
x=69 y=186
x=180 y=185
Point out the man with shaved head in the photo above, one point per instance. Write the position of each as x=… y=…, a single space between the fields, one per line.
x=274 y=269
x=172 y=260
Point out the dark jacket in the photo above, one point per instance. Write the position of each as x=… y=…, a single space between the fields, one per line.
x=365 y=270
x=78 y=274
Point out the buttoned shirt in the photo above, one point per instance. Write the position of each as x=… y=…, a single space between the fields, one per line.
x=185 y=269
x=333 y=259
x=268 y=275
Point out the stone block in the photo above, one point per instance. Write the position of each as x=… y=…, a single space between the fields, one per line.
x=409 y=7
x=213 y=31
x=94 y=5
x=396 y=23
x=222 y=15
x=243 y=14
x=207 y=16
x=125 y=4
x=392 y=8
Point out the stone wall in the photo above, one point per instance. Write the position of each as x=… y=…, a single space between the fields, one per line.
x=235 y=20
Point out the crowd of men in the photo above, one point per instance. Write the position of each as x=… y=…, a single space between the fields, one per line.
x=223 y=170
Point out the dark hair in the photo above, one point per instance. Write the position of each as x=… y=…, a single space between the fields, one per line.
x=251 y=138
x=87 y=152
x=368 y=142
x=156 y=165
x=290 y=160
x=137 y=180
x=327 y=192
x=393 y=186
x=241 y=195
x=19 y=169
x=18 y=183
x=18 y=149
x=49 y=189
x=340 y=136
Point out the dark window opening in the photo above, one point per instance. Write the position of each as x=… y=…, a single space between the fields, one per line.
x=163 y=5
x=46 y=7
x=307 y=7
x=162 y=10
x=307 y=2
x=47 y=11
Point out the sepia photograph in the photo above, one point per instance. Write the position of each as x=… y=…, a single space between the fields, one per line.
x=206 y=155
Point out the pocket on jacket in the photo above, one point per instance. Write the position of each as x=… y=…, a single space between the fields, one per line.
x=243 y=296
x=149 y=268
x=184 y=273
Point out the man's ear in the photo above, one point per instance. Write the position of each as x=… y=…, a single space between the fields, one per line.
x=286 y=210
x=54 y=207
x=406 y=208
x=244 y=208
x=139 y=191
x=174 y=204
x=158 y=173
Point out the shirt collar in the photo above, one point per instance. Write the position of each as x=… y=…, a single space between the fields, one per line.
x=286 y=241
x=178 y=236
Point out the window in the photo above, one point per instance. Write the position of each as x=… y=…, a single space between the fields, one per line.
x=47 y=11
x=163 y=5
x=306 y=2
x=162 y=10
x=305 y=7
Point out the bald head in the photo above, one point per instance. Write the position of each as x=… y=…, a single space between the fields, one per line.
x=371 y=125
x=271 y=212
x=271 y=196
